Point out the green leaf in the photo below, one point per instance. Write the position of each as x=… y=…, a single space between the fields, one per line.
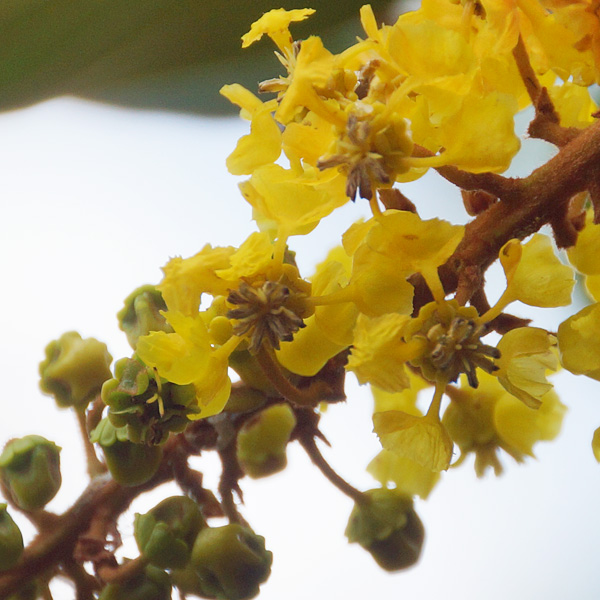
x=163 y=54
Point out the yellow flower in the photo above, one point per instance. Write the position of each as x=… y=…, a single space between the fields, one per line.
x=488 y=419
x=188 y=356
x=423 y=440
x=275 y=24
x=287 y=203
x=379 y=351
x=534 y=274
x=263 y=144
x=187 y=279
x=407 y=475
x=584 y=254
x=579 y=342
x=596 y=444
x=525 y=356
x=415 y=245
x=329 y=331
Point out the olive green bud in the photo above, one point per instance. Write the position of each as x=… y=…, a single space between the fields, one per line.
x=149 y=406
x=262 y=441
x=141 y=314
x=230 y=562
x=166 y=534
x=30 y=471
x=11 y=540
x=152 y=584
x=129 y=464
x=388 y=527
x=74 y=369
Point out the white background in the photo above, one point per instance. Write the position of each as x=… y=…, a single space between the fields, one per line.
x=95 y=200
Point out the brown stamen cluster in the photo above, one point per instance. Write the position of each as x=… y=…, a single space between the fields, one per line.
x=262 y=312
x=365 y=169
x=458 y=349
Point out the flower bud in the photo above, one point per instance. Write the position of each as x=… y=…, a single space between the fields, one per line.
x=150 y=407
x=74 y=369
x=262 y=441
x=388 y=527
x=230 y=562
x=11 y=540
x=129 y=464
x=141 y=314
x=166 y=534
x=30 y=471
x=152 y=584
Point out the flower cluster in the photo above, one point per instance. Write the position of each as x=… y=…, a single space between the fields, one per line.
x=398 y=301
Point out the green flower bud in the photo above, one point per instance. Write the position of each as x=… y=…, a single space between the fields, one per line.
x=230 y=562
x=129 y=464
x=152 y=584
x=149 y=406
x=166 y=534
x=74 y=369
x=141 y=314
x=262 y=441
x=30 y=471
x=388 y=527
x=11 y=540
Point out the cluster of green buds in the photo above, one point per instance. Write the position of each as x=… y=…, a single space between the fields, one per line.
x=30 y=472
x=387 y=526
x=147 y=406
x=228 y=562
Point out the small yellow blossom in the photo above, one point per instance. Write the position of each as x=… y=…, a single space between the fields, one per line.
x=534 y=274
x=421 y=439
x=526 y=354
x=275 y=24
x=596 y=444
x=263 y=144
x=579 y=342
x=379 y=351
x=188 y=356
x=585 y=254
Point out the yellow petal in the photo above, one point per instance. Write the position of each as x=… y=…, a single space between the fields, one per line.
x=579 y=342
x=538 y=278
x=520 y=427
x=421 y=439
x=525 y=356
x=596 y=444
x=585 y=255
x=408 y=476
x=275 y=24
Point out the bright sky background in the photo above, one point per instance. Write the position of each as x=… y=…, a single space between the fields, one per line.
x=95 y=200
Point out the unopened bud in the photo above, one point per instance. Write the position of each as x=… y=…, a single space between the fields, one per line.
x=152 y=584
x=11 y=540
x=141 y=314
x=166 y=534
x=387 y=525
x=30 y=471
x=262 y=441
x=74 y=369
x=230 y=562
x=129 y=464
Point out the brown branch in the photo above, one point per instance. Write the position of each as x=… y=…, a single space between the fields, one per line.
x=529 y=204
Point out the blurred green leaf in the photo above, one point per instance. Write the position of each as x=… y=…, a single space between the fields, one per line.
x=163 y=54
